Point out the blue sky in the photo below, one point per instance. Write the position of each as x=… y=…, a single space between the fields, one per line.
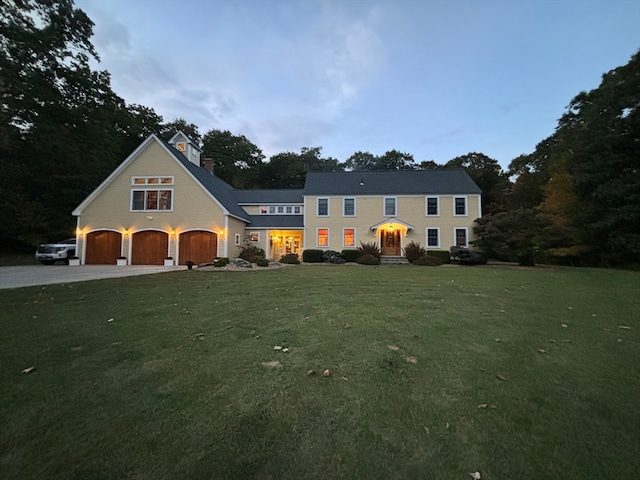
x=436 y=79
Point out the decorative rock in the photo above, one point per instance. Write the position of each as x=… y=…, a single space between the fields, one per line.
x=241 y=262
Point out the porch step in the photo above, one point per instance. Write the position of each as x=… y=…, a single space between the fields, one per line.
x=393 y=260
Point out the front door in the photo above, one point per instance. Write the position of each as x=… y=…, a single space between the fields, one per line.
x=390 y=242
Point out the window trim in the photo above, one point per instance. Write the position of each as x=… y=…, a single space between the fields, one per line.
x=395 y=206
x=466 y=207
x=146 y=179
x=145 y=209
x=466 y=236
x=344 y=244
x=426 y=206
x=237 y=239
x=318 y=207
x=344 y=206
x=437 y=229
x=318 y=237
x=254 y=234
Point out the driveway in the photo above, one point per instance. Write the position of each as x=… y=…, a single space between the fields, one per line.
x=31 y=275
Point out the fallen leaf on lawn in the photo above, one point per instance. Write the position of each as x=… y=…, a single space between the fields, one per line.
x=426 y=429
x=447 y=425
x=564 y=325
x=552 y=341
x=475 y=475
x=394 y=348
x=198 y=336
x=542 y=350
x=493 y=405
x=483 y=405
x=258 y=336
x=344 y=378
x=347 y=325
x=502 y=376
x=272 y=364
x=326 y=373
x=413 y=360
x=110 y=320
x=624 y=327
x=311 y=372
x=285 y=350
x=28 y=370
x=277 y=347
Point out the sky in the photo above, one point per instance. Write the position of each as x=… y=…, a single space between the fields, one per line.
x=433 y=78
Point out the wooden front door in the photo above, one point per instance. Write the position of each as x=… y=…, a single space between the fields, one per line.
x=149 y=247
x=390 y=242
x=198 y=247
x=103 y=247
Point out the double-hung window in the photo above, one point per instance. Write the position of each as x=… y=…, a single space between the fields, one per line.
x=322 y=239
x=461 y=237
x=433 y=237
x=323 y=207
x=460 y=206
x=349 y=237
x=349 y=208
x=151 y=194
x=390 y=209
x=433 y=209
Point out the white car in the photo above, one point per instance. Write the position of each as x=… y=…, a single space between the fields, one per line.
x=50 y=253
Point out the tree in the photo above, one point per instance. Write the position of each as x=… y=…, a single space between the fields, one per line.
x=289 y=169
x=169 y=129
x=360 y=161
x=390 y=160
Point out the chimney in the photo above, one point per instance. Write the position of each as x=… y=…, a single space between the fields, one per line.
x=207 y=163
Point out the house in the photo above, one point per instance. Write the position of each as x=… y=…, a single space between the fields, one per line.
x=160 y=202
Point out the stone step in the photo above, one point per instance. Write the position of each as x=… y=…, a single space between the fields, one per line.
x=393 y=260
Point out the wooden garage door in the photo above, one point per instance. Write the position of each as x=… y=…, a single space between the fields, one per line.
x=103 y=247
x=149 y=247
x=198 y=246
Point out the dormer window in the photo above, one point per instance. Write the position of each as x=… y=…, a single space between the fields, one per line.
x=181 y=146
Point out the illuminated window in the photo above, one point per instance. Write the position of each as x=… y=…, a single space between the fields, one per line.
x=254 y=236
x=349 y=237
x=323 y=237
x=142 y=200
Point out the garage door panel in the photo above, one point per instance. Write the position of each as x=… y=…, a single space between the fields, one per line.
x=149 y=247
x=103 y=247
x=198 y=246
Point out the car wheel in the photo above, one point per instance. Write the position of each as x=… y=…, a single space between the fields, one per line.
x=47 y=262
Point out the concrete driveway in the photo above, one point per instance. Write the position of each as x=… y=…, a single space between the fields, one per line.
x=31 y=275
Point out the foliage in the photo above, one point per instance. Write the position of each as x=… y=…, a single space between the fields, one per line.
x=429 y=260
x=368 y=259
x=391 y=160
x=370 y=248
x=221 y=262
x=331 y=256
x=289 y=169
x=443 y=255
x=262 y=262
x=290 y=258
x=251 y=253
x=351 y=255
x=311 y=255
x=414 y=251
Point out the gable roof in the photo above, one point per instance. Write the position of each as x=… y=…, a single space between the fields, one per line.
x=394 y=182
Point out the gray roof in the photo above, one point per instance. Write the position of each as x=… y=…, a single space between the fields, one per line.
x=396 y=182
x=265 y=197
x=277 y=221
x=221 y=190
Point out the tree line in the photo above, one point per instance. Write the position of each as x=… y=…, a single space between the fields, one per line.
x=575 y=199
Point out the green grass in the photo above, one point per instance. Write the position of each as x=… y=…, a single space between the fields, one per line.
x=175 y=386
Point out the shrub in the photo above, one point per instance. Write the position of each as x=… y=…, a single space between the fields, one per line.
x=351 y=255
x=370 y=249
x=414 y=251
x=443 y=255
x=251 y=253
x=221 y=262
x=312 y=256
x=290 y=258
x=262 y=262
x=429 y=260
x=368 y=259
x=331 y=256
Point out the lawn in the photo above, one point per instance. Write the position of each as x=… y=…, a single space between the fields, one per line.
x=435 y=372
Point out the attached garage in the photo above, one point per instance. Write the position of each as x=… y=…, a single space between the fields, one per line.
x=149 y=247
x=102 y=247
x=198 y=246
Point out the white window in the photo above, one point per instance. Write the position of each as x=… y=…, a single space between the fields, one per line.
x=272 y=209
x=461 y=237
x=349 y=237
x=297 y=210
x=151 y=180
x=349 y=207
x=390 y=207
x=460 y=206
x=322 y=237
x=254 y=236
x=323 y=207
x=151 y=200
x=280 y=209
x=433 y=206
x=433 y=238
x=237 y=239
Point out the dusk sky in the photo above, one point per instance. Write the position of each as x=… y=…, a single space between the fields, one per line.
x=436 y=79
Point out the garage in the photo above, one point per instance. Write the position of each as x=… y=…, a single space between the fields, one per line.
x=149 y=247
x=102 y=247
x=198 y=246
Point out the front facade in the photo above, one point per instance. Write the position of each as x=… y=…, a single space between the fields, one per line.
x=160 y=205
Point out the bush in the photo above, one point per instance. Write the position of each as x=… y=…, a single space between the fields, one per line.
x=429 y=260
x=370 y=249
x=351 y=255
x=251 y=253
x=414 y=251
x=368 y=259
x=221 y=262
x=262 y=262
x=290 y=258
x=331 y=256
x=443 y=255
x=312 y=256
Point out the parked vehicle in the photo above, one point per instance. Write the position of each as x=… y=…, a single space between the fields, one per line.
x=50 y=253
